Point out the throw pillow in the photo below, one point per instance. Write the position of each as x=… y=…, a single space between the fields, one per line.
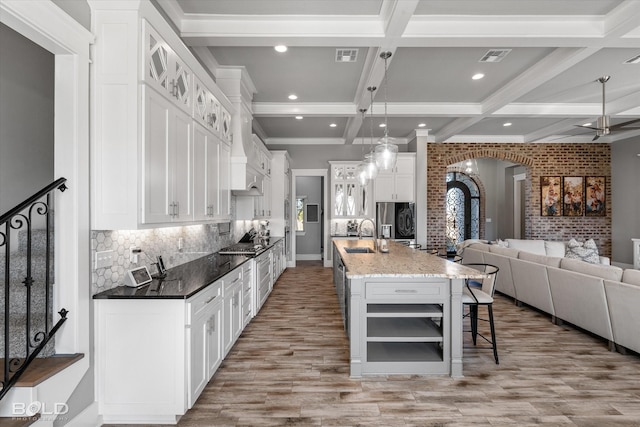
x=501 y=243
x=587 y=251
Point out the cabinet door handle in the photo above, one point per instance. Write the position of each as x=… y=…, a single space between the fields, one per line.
x=210 y=299
x=177 y=209
x=406 y=291
x=174 y=89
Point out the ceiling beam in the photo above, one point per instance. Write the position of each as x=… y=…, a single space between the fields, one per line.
x=395 y=14
x=544 y=70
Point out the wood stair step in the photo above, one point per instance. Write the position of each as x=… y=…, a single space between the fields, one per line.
x=18 y=421
x=43 y=368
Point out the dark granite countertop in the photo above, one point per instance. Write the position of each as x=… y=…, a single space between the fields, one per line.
x=185 y=280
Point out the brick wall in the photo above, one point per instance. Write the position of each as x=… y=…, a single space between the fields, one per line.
x=593 y=159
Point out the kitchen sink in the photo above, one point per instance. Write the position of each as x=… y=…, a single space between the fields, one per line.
x=359 y=250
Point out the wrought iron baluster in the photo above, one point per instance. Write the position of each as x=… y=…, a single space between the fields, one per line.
x=37 y=205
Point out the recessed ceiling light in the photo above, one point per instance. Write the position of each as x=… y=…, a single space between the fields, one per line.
x=421 y=125
x=506 y=124
x=333 y=125
x=477 y=76
x=299 y=117
x=280 y=48
x=293 y=97
x=382 y=125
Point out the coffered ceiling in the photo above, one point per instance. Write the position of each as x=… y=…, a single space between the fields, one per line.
x=544 y=86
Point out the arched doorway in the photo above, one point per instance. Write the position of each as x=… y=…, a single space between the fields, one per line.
x=462 y=209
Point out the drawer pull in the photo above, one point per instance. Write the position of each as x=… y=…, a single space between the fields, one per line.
x=210 y=299
x=406 y=291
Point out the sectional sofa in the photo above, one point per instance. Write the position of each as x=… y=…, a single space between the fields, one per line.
x=599 y=298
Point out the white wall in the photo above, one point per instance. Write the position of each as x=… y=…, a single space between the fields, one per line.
x=625 y=198
x=26 y=118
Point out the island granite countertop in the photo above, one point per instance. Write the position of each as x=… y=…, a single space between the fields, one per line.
x=400 y=261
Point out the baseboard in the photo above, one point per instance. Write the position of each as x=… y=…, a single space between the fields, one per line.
x=87 y=418
x=308 y=257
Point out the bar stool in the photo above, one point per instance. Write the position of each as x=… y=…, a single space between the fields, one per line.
x=474 y=297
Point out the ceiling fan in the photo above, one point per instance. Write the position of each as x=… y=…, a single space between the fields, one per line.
x=603 y=128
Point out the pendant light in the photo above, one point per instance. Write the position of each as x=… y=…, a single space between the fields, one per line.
x=369 y=159
x=361 y=171
x=386 y=152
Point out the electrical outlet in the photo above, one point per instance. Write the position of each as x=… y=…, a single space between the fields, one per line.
x=134 y=251
x=104 y=259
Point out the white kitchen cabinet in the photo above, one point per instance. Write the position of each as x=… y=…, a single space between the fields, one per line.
x=264 y=280
x=280 y=222
x=206 y=169
x=165 y=71
x=154 y=356
x=233 y=315
x=349 y=198
x=143 y=86
x=225 y=125
x=167 y=161
x=278 y=260
x=204 y=344
x=398 y=184
x=206 y=108
x=263 y=208
x=247 y=293
x=225 y=182
x=211 y=186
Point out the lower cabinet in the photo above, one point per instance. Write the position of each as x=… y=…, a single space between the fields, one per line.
x=154 y=357
x=204 y=344
x=233 y=315
x=263 y=278
x=247 y=293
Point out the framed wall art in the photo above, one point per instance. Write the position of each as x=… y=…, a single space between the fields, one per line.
x=550 y=198
x=595 y=203
x=572 y=195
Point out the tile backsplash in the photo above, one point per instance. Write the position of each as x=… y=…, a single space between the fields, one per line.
x=197 y=241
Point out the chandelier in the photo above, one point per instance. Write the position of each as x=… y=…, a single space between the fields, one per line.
x=386 y=152
x=369 y=167
x=361 y=171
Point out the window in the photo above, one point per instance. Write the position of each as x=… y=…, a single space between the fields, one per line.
x=300 y=219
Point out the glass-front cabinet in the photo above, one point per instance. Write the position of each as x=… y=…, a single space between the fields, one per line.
x=349 y=199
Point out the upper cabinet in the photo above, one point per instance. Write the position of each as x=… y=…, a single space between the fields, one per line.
x=160 y=126
x=206 y=108
x=165 y=71
x=349 y=198
x=398 y=184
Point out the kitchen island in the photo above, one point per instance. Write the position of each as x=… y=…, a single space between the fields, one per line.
x=402 y=309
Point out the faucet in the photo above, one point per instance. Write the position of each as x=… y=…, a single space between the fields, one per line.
x=373 y=223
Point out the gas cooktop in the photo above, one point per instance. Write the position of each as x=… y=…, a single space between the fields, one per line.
x=241 y=249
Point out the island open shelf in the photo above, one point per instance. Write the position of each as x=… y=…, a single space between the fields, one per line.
x=404 y=352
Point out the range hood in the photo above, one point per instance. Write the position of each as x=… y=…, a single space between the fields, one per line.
x=253 y=186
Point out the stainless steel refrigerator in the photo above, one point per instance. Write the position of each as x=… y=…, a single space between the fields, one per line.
x=396 y=221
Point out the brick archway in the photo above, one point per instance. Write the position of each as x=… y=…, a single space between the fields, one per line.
x=539 y=159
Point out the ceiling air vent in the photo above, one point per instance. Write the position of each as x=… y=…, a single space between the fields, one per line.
x=634 y=60
x=346 y=55
x=495 y=55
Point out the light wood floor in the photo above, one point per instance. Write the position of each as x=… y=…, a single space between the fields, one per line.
x=290 y=367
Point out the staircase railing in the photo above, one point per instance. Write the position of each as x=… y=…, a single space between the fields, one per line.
x=22 y=217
